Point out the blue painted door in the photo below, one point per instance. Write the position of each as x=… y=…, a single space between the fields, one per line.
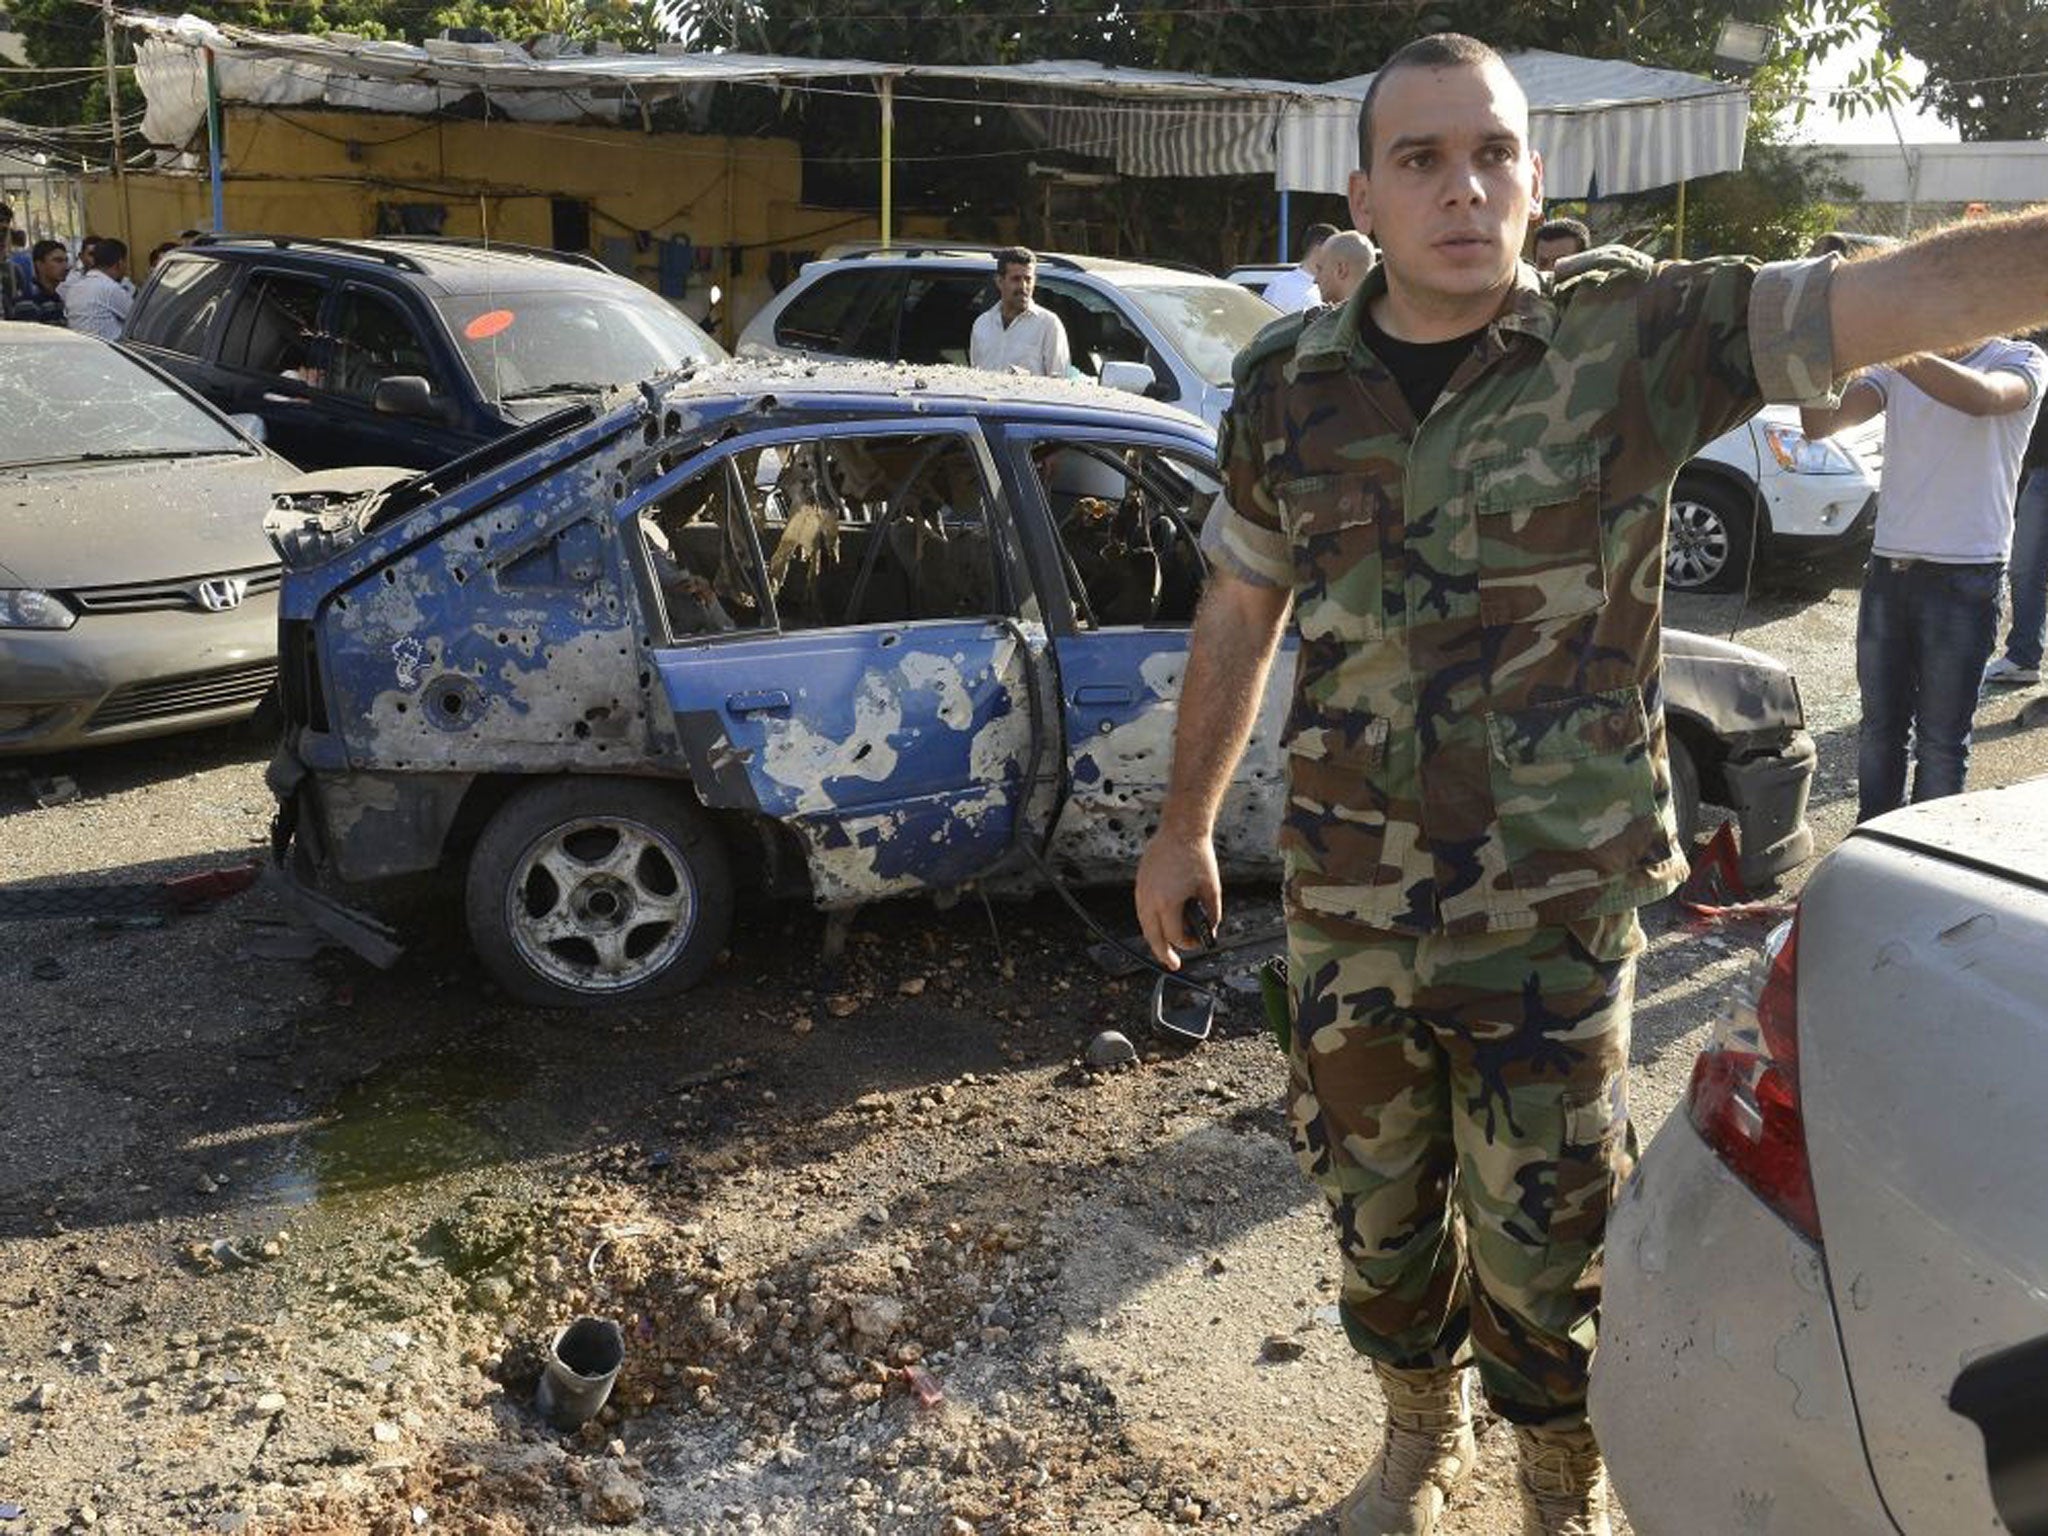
x=900 y=756
x=1126 y=509
x=882 y=705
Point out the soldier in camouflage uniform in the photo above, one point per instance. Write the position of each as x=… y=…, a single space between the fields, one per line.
x=1461 y=479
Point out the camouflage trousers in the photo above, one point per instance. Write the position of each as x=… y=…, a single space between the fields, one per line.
x=1462 y=1103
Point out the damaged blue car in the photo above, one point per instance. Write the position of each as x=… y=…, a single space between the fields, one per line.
x=840 y=634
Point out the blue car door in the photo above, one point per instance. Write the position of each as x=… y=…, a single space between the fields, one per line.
x=1126 y=509
x=843 y=651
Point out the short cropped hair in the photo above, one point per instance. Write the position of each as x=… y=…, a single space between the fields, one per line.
x=1566 y=229
x=1349 y=246
x=42 y=248
x=1313 y=237
x=109 y=251
x=1014 y=256
x=1437 y=51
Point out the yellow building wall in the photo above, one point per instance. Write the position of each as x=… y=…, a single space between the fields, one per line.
x=325 y=173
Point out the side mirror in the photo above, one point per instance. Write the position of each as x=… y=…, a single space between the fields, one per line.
x=1131 y=378
x=407 y=394
x=251 y=425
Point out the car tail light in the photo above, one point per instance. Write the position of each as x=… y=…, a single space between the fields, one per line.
x=1744 y=1098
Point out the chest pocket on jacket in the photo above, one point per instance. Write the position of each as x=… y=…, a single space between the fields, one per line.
x=1540 y=548
x=1334 y=527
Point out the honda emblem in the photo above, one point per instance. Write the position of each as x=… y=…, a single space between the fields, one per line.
x=221 y=593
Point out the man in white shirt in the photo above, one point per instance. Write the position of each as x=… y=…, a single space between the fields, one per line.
x=1015 y=335
x=1955 y=430
x=98 y=302
x=1296 y=289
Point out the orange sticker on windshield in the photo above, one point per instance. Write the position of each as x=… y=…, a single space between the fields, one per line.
x=487 y=324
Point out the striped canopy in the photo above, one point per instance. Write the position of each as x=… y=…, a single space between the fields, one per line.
x=1601 y=124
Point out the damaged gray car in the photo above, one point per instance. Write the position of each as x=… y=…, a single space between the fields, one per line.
x=832 y=634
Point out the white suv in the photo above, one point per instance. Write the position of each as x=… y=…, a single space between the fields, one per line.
x=1814 y=497
x=917 y=305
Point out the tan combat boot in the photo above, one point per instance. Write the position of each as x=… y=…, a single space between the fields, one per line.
x=1427 y=1452
x=1564 y=1484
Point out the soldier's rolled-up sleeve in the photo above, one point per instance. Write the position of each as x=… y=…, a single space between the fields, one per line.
x=1719 y=338
x=1234 y=543
x=1242 y=533
x=1791 y=333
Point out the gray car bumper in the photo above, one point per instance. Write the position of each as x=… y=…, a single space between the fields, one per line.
x=1768 y=792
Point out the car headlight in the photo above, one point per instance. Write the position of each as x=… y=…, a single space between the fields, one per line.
x=29 y=608
x=1801 y=455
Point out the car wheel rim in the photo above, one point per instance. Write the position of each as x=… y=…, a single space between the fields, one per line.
x=602 y=904
x=1697 y=547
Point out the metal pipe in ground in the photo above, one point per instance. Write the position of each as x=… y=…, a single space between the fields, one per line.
x=582 y=1364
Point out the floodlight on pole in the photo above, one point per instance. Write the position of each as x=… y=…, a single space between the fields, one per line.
x=1741 y=47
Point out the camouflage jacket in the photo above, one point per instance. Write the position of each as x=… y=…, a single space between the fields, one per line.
x=1477 y=734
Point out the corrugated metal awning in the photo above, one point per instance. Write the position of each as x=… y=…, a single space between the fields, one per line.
x=1601 y=125
x=1605 y=123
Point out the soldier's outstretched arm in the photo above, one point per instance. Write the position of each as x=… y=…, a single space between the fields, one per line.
x=1230 y=651
x=1988 y=277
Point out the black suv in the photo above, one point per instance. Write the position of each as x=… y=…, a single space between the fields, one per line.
x=406 y=352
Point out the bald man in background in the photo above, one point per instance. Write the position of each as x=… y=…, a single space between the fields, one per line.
x=1346 y=257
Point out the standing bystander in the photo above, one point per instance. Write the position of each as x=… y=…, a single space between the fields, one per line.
x=98 y=302
x=18 y=257
x=2027 y=577
x=1295 y=289
x=40 y=300
x=1460 y=481
x=1559 y=238
x=1955 y=429
x=10 y=274
x=1014 y=335
x=1346 y=257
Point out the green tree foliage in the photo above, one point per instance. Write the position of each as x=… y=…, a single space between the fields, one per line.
x=1987 y=62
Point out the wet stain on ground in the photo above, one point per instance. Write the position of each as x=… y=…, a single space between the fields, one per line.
x=410 y=1120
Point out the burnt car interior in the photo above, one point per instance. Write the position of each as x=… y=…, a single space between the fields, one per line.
x=827 y=532
x=1128 y=521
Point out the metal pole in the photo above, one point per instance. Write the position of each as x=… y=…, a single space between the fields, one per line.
x=1283 y=226
x=114 y=118
x=888 y=89
x=1678 y=227
x=213 y=154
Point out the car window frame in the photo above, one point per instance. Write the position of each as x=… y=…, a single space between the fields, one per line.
x=868 y=282
x=253 y=273
x=150 y=299
x=1170 y=372
x=721 y=458
x=1018 y=599
x=425 y=324
x=1045 y=551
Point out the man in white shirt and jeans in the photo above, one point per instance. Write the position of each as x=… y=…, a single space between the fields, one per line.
x=1955 y=429
x=99 y=301
x=1016 y=336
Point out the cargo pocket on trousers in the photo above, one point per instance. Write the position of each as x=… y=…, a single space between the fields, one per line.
x=1334 y=529
x=1575 y=790
x=1595 y=1153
